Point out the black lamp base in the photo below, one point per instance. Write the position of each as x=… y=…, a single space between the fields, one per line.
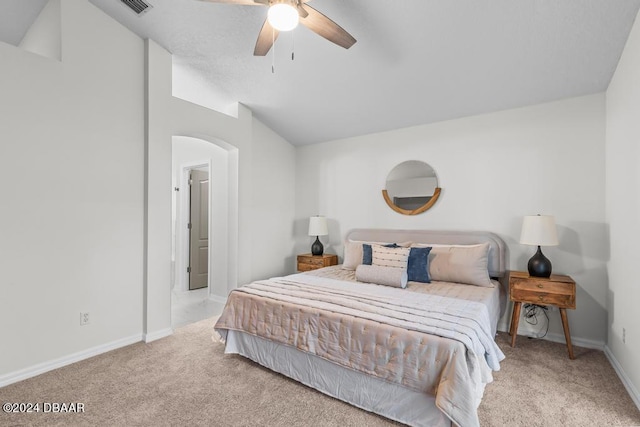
x=539 y=265
x=317 y=248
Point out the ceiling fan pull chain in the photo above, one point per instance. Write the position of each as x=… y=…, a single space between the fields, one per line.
x=273 y=51
x=293 y=46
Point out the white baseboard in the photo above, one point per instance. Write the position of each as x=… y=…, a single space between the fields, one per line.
x=156 y=335
x=577 y=341
x=216 y=298
x=559 y=338
x=626 y=381
x=503 y=326
x=41 y=368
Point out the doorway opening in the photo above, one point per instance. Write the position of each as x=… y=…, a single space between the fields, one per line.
x=204 y=176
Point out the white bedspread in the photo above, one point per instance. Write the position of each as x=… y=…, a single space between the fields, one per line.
x=430 y=343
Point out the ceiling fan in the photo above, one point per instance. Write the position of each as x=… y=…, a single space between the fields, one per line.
x=284 y=15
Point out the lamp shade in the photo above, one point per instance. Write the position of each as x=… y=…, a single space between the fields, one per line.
x=318 y=226
x=539 y=230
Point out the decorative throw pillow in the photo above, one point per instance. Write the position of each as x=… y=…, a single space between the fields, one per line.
x=367 y=254
x=352 y=255
x=461 y=264
x=387 y=276
x=367 y=251
x=389 y=256
x=418 y=265
x=356 y=253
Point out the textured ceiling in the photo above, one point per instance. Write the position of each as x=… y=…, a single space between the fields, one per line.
x=415 y=62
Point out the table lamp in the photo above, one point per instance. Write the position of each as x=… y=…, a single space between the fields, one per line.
x=539 y=230
x=317 y=227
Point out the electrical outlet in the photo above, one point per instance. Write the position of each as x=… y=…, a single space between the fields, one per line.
x=624 y=336
x=84 y=318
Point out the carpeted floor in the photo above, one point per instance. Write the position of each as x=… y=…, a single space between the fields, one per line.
x=186 y=379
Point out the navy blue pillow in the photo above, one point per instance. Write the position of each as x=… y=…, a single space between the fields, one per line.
x=418 y=265
x=367 y=252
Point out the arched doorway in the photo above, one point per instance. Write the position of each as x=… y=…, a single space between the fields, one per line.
x=220 y=161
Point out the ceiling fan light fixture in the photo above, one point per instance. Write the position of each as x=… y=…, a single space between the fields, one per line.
x=283 y=16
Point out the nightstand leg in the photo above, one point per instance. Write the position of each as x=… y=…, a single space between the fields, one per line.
x=567 y=334
x=515 y=319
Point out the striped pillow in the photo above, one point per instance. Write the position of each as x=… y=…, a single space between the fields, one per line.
x=384 y=256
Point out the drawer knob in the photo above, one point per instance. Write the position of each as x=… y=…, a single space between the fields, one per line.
x=540 y=286
x=540 y=297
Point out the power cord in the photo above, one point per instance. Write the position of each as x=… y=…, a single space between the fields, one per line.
x=531 y=312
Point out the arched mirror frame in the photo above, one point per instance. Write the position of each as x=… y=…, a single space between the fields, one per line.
x=418 y=210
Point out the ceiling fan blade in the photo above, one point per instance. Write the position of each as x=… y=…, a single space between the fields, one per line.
x=301 y=10
x=243 y=2
x=267 y=36
x=325 y=27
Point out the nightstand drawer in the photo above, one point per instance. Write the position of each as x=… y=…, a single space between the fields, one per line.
x=308 y=267
x=541 y=297
x=314 y=262
x=542 y=286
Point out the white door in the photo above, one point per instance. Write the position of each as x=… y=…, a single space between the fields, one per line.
x=198 y=229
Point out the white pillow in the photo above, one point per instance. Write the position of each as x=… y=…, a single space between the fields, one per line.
x=467 y=264
x=387 y=276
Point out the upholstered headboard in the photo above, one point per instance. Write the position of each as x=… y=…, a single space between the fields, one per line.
x=497 y=253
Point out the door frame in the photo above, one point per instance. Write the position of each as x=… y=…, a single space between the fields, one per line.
x=182 y=220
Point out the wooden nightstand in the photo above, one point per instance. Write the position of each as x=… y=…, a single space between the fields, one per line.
x=557 y=290
x=308 y=262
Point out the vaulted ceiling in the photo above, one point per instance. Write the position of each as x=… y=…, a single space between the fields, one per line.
x=415 y=61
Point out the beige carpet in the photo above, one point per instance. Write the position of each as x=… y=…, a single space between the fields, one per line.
x=186 y=379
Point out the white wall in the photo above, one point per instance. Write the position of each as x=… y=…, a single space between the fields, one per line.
x=72 y=160
x=623 y=209
x=493 y=170
x=273 y=207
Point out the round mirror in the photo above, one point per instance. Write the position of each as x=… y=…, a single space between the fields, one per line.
x=411 y=188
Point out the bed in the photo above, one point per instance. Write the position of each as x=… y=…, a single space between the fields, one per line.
x=420 y=354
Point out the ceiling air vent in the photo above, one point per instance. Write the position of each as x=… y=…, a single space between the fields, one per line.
x=138 y=6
